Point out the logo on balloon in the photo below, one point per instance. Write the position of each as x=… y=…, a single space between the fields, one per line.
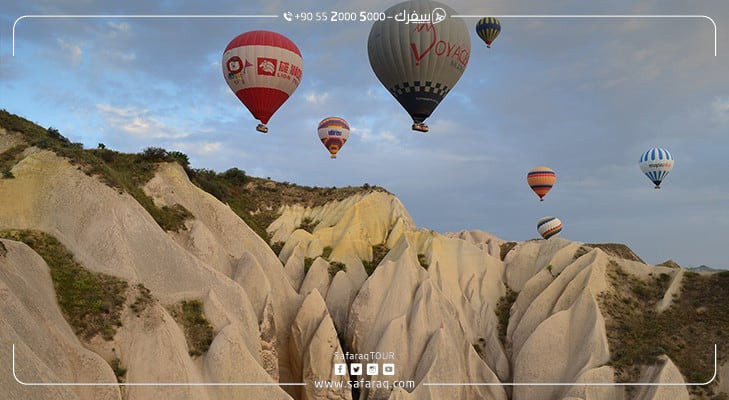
x=266 y=66
x=235 y=65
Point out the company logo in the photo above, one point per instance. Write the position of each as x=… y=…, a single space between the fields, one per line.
x=388 y=369
x=373 y=369
x=234 y=65
x=438 y=15
x=355 y=369
x=267 y=66
x=438 y=47
x=340 y=369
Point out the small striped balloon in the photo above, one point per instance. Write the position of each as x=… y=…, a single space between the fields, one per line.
x=549 y=226
x=488 y=29
x=656 y=163
x=541 y=179
x=333 y=133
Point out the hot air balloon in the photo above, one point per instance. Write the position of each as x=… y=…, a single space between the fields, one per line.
x=488 y=29
x=263 y=69
x=333 y=133
x=549 y=226
x=541 y=179
x=656 y=164
x=419 y=60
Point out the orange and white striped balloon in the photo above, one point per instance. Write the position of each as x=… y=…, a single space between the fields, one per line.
x=541 y=179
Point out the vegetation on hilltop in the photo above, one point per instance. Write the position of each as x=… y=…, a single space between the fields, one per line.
x=256 y=200
x=686 y=332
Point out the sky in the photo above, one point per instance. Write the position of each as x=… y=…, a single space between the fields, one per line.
x=585 y=96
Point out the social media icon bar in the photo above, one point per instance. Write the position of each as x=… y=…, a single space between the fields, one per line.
x=373 y=369
x=355 y=369
x=388 y=369
x=340 y=369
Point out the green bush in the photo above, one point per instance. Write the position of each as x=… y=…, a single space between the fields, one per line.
x=505 y=248
x=308 y=224
x=307 y=264
x=423 y=260
x=198 y=330
x=378 y=253
x=336 y=266
x=326 y=252
x=503 y=312
x=277 y=247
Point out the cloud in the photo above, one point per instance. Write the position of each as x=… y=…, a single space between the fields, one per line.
x=199 y=148
x=317 y=98
x=72 y=52
x=720 y=109
x=137 y=122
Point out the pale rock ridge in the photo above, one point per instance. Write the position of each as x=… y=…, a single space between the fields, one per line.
x=666 y=372
x=400 y=308
x=534 y=255
x=597 y=375
x=108 y=231
x=314 y=349
x=559 y=293
x=46 y=348
x=484 y=240
x=318 y=278
x=339 y=299
x=562 y=348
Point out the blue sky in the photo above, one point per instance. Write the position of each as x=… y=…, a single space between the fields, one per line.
x=584 y=96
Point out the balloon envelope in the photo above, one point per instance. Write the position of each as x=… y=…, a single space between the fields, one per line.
x=488 y=29
x=541 y=179
x=656 y=163
x=333 y=133
x=549 y=226
x=263 y=69
x=419 y=63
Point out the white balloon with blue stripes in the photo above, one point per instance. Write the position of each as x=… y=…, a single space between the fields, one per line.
x=656 y=163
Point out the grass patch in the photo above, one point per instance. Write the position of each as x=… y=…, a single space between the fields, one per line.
x=144 y=298
x=198 y=331
x=91 y=302
x=637 y=334
x=326 y=252
x=336 y=266
x=423 y=261
x=307 y=264
x=505 y=248
x=277 y=247
x=618 y=250
x=9 y=158
x=379 y=252
x=308 y=224
x=119 y=371
x=503 y=312
x=125 y=172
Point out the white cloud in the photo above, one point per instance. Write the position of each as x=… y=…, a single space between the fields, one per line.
x=317 y=98
x=72 y=52
x=122 y=27
x=137 y=122
x=199 y=148
x=720 y=109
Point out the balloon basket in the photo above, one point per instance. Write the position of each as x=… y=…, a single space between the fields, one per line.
x=420 y=127
x=262 y=128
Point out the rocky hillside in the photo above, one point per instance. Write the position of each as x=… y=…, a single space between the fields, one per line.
x=121 y=268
